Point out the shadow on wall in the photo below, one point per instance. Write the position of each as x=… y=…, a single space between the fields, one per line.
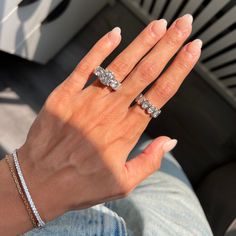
x=30 y=13
x=60 y=24
x=21 y=34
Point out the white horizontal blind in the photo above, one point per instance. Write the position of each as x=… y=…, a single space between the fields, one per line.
x=214 y=23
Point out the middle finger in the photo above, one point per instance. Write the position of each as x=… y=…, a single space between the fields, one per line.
x=150 y=67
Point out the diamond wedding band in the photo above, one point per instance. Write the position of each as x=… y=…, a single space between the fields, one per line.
x=153 y=111
x=107 y=78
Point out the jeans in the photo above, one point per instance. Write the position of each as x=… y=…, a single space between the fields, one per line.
x=163 y=204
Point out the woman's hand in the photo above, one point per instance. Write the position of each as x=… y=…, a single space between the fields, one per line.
x=76 y=150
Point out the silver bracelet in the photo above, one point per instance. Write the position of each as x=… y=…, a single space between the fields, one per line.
x=26 y=190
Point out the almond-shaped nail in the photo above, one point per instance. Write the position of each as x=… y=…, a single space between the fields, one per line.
x=184 y=22
x=169 y=145
x=114 y=34
x=156 y=26
x=194 y=47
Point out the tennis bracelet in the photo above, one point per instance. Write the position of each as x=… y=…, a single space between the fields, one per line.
x=24 y=191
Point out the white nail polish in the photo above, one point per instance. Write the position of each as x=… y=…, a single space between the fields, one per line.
x=169 y=145
x=116 y=30
x=114 y=34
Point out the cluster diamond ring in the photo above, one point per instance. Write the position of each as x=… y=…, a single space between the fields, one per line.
x=107 y=78
x=153 y=111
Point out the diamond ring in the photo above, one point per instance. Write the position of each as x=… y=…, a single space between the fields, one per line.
x=153 y=111
x=107 y=78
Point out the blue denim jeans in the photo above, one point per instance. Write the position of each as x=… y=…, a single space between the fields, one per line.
x=163 y=204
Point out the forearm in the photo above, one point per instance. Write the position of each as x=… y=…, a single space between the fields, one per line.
x=14 y=217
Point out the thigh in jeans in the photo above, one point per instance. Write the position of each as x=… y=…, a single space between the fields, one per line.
x=163 y=204
x=97 y=220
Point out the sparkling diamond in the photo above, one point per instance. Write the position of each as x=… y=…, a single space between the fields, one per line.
x=104 y=80
x=110 y=75
x=99 y=71
x=114 y=84
x=150 y=109
x=145 y=104
x=156 y=113
x=139 y=99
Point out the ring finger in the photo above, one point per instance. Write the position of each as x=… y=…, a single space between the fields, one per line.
x=167 y=85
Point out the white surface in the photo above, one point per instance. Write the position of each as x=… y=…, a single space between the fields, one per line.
x=22 y=20
x=46 y=40
x=6 y=6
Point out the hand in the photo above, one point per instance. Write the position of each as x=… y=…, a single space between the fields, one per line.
x=76 y=150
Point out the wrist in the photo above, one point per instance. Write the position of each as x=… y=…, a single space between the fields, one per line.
x=14 y=217
x=42 y=185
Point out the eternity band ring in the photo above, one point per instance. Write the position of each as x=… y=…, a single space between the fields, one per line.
x=153 y=111
x=107 y=78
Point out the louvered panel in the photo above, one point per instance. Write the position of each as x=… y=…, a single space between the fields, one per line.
x=147 y=5
x=228 y=70
x=209 y=11
x=225 y=57
x=219 y=45
x=159 y=5
x=224 y=22
x=136 y=2
x=229 y=81
x=233 y=90
x=191 y=6
x=171 y=10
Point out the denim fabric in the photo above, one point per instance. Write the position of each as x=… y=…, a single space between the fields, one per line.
x=163 y=204
x=94 y=221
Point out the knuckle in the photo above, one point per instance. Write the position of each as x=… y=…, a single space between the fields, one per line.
x=120 y=67
x=166 y=89
x=55 y=99
x=83 y=67
x=146 y=72
x=147 y=40
x=172 y=40
x=182 y=64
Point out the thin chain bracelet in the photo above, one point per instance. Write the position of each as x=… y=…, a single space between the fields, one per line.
x=26 y=190
x=19 y=189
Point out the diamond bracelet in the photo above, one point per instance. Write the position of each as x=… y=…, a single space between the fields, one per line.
x=41 y=223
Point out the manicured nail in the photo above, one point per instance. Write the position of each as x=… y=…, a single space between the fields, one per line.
x=114 y=34
x=194 y=47
x=184 y=22
x=156 y=26
x=169 y=145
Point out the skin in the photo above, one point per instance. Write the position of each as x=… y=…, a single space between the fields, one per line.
x=75 y=153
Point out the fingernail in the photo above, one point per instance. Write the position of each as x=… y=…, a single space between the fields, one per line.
x=155 y=28
x=184 y=22
x=194 y=47
x=169 y=145
x=114 y=34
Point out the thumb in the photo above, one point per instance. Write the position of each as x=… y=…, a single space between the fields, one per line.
x=149 y=160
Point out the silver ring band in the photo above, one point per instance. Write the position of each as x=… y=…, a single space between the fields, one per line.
x=153 y=111
x=107 y=78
